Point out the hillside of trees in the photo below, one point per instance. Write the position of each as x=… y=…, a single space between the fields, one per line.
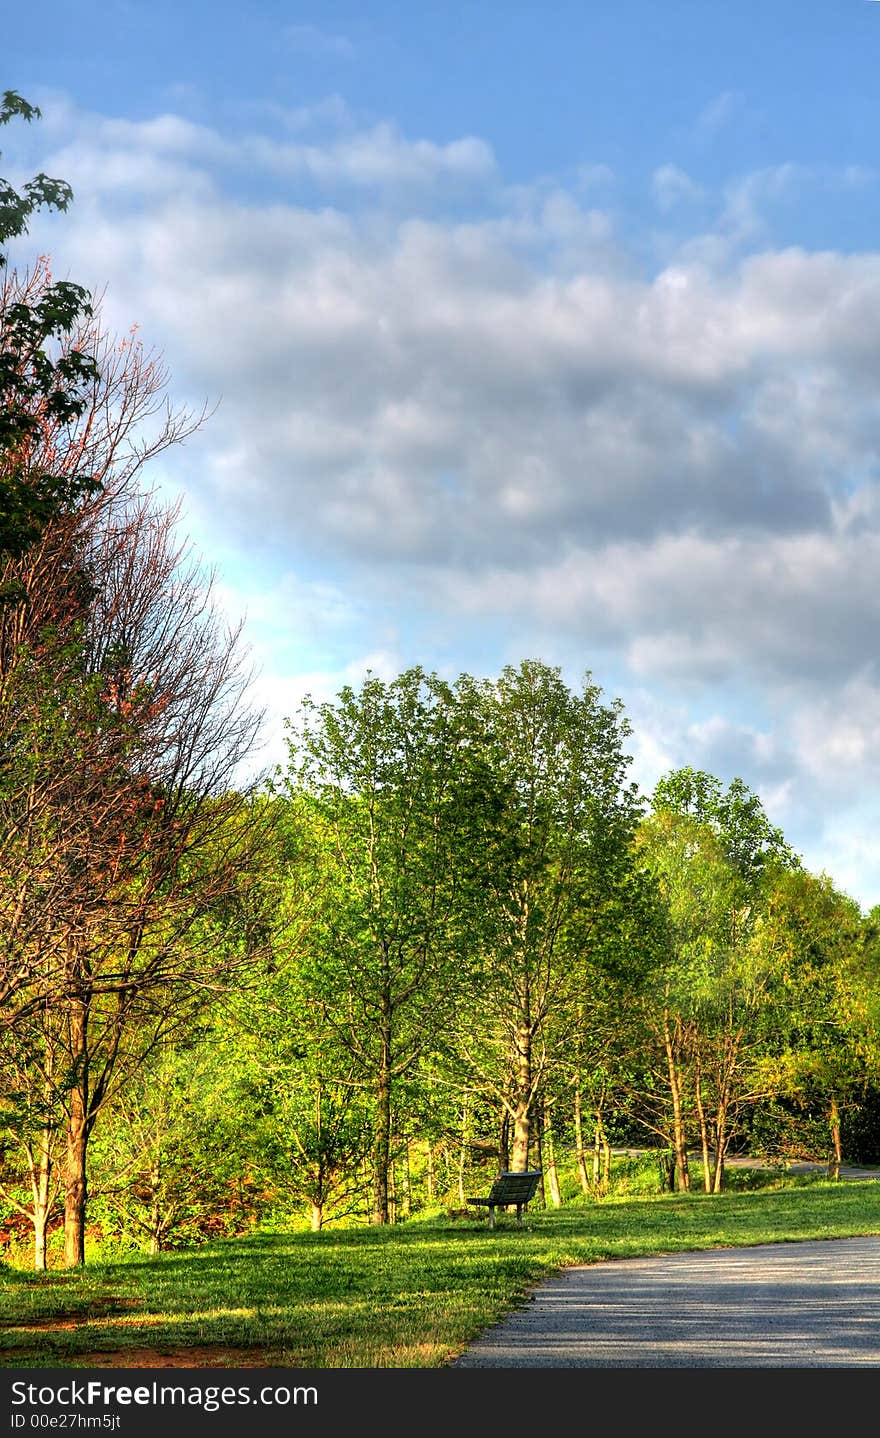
x=448 y=936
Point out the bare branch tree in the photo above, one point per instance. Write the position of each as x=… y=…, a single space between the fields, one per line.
x=130 y=837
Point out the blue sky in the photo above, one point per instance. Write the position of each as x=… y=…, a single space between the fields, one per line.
x=532 y=330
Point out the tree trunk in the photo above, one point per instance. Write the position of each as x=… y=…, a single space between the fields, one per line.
x=601 y=1155
x=726 y=1075
x=522 y=1121
x=704 y=1131
x=76 y=1190
x=317 y=1217
x=382 y=1145
x=504 y=1142
x=462 y=1151
x=540 y=1193
x=43 y=1172
x=679 y=1146
x=580 y=1153
x=550 y=1152
x=40 y=1220
x=406 y=1184
x=836 y=1158
x=75 y=1183
x=42 y=1191
x=720 y=1144
x=382 y=1135
x=392 y=1193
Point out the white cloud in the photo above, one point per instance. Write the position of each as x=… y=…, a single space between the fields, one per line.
x=281 y=695
x=848 y=851
x=115 y=158
x=838 y=734
x=492 y=422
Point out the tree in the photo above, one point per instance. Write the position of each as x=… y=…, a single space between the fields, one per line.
x=383 y=781
x=694 y=882
x=155 y=845
x=554 y=860
x=821 y=1047
x=128 y=839
x=714 y=855
x=175 y=874
x=56 y=718
x=605 y=1032
x=38 y=381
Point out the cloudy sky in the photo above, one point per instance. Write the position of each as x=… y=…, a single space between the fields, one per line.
x=529 y=329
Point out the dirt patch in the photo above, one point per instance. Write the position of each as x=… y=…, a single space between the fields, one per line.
x=207 y=1356
x=98 y=1308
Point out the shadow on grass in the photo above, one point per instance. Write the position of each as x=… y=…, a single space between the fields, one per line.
x=398 y=1296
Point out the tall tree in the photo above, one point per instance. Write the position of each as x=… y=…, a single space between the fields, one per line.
x=57 y=715
x=714 y=854
x=125 y=724
x=148 y=850
x=553 y=861
x=382 y=780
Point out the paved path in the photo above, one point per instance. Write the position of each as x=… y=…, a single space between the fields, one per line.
x=848 y=1170
x=780 y=1305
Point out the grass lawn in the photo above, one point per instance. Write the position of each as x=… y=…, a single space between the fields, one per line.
x=412 y=1296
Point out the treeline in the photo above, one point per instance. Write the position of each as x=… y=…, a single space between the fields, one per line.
x=448 y=936
x=467 y=943
x=490 y=951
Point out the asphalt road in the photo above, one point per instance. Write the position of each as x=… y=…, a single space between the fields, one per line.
x=781 y=1305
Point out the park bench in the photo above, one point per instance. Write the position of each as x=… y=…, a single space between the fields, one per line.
x=509 y=1189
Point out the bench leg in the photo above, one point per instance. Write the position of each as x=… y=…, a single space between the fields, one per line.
x=519 y=1209
x=491 y=1215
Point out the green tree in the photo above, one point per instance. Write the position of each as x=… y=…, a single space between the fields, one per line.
x=821 y=1047
x=381 y=776
x=554 y=858
x=714 y=855
x=43 y=377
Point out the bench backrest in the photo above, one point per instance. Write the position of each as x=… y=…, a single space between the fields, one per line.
x=515 y=1187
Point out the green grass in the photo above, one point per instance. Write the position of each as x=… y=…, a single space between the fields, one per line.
x=412 y=1296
